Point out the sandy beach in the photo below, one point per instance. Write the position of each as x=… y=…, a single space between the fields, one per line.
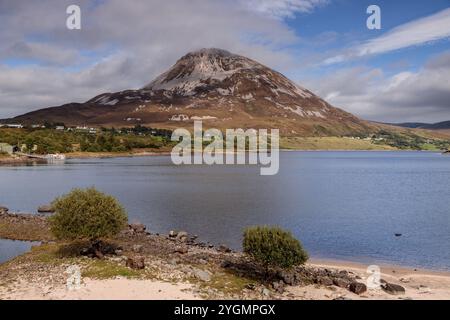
x=145 y=265
x=418 y=284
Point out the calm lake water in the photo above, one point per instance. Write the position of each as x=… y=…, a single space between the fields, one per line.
x=9 y=249
x=342 y=205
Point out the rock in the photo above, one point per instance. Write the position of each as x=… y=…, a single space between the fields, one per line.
x=357 y=287
x=343 y=273
x=46 y=209
x=288 y=277
x=250 y=286
x=181 y=250
x=182 y=236
x=3 y=210
x=172 y=234
x=324 y=281
x=201 y=275
x=138 y=248
x=341 y=283
x=342 y=298
x=137 y=262
x=265 y=292
x=393 y=288
x=138 y=227
x=223 y=248
x=278 y=286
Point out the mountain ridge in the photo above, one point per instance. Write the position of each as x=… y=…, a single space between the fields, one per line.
x=442 y=125
x=223 y=89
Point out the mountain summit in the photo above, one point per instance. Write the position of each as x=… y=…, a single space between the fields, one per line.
x=223 y=89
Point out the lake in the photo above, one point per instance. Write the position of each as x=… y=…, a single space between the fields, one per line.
x=341 y=205
x=9 y=249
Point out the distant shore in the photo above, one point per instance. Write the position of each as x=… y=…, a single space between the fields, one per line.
x=105 y=155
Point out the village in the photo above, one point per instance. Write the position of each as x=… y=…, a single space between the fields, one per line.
x=53 y=141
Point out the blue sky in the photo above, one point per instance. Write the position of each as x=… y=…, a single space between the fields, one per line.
x=346 y=20
x=396 y=74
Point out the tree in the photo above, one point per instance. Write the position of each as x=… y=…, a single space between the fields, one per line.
x=273 y=247
x=87 y=214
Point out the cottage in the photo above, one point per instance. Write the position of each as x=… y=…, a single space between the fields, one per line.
x=7 y=148
x=14 y=126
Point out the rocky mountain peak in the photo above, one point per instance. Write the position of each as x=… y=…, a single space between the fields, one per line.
x=223 y=89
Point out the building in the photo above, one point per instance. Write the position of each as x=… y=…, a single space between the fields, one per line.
x=15 y=126
x=4 y=147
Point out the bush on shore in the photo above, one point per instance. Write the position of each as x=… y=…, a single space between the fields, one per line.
x=87 y=214
x=273 y=247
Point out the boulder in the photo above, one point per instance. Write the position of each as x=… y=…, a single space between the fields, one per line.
x=324 y=281
x=3 y=210
x=341 y=282
x=182 y=236
x=137 y=262
x=137 y=248
x=138 y=227
x=357 y=287
x=288 y=277
x=392 y=288
x=46 y=209
x=181 y=250
x=278 y=286
x=223 y=248
x=201 y=275
x=173 y=234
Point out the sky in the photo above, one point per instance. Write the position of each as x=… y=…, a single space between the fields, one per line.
x=399 y=73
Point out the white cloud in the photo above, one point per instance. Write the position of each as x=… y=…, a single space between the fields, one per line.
x=136 y=42
x=406 y=96
x=421 y=31
x=280 y=9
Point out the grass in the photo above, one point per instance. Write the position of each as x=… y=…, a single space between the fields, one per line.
x=67 y=254
x=104 y=269
x=429 y=147
x=227 y=282
x=329 y=143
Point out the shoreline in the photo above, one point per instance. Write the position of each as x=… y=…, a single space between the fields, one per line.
x=386 y=268
x=112 y=155
x=187 y=268
x=32 y=227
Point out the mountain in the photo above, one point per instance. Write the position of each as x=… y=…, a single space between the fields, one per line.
x=429 y=126
x=412 y=125
x=224 y=90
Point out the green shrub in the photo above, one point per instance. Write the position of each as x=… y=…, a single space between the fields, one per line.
x=273 y=247
x=87 y=214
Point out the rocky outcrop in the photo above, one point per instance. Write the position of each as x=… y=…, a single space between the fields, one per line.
x=137 y=227
x=25 y=227
x=357 y=287
x=136 y=262
x=46 y=209
x=392 y=288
